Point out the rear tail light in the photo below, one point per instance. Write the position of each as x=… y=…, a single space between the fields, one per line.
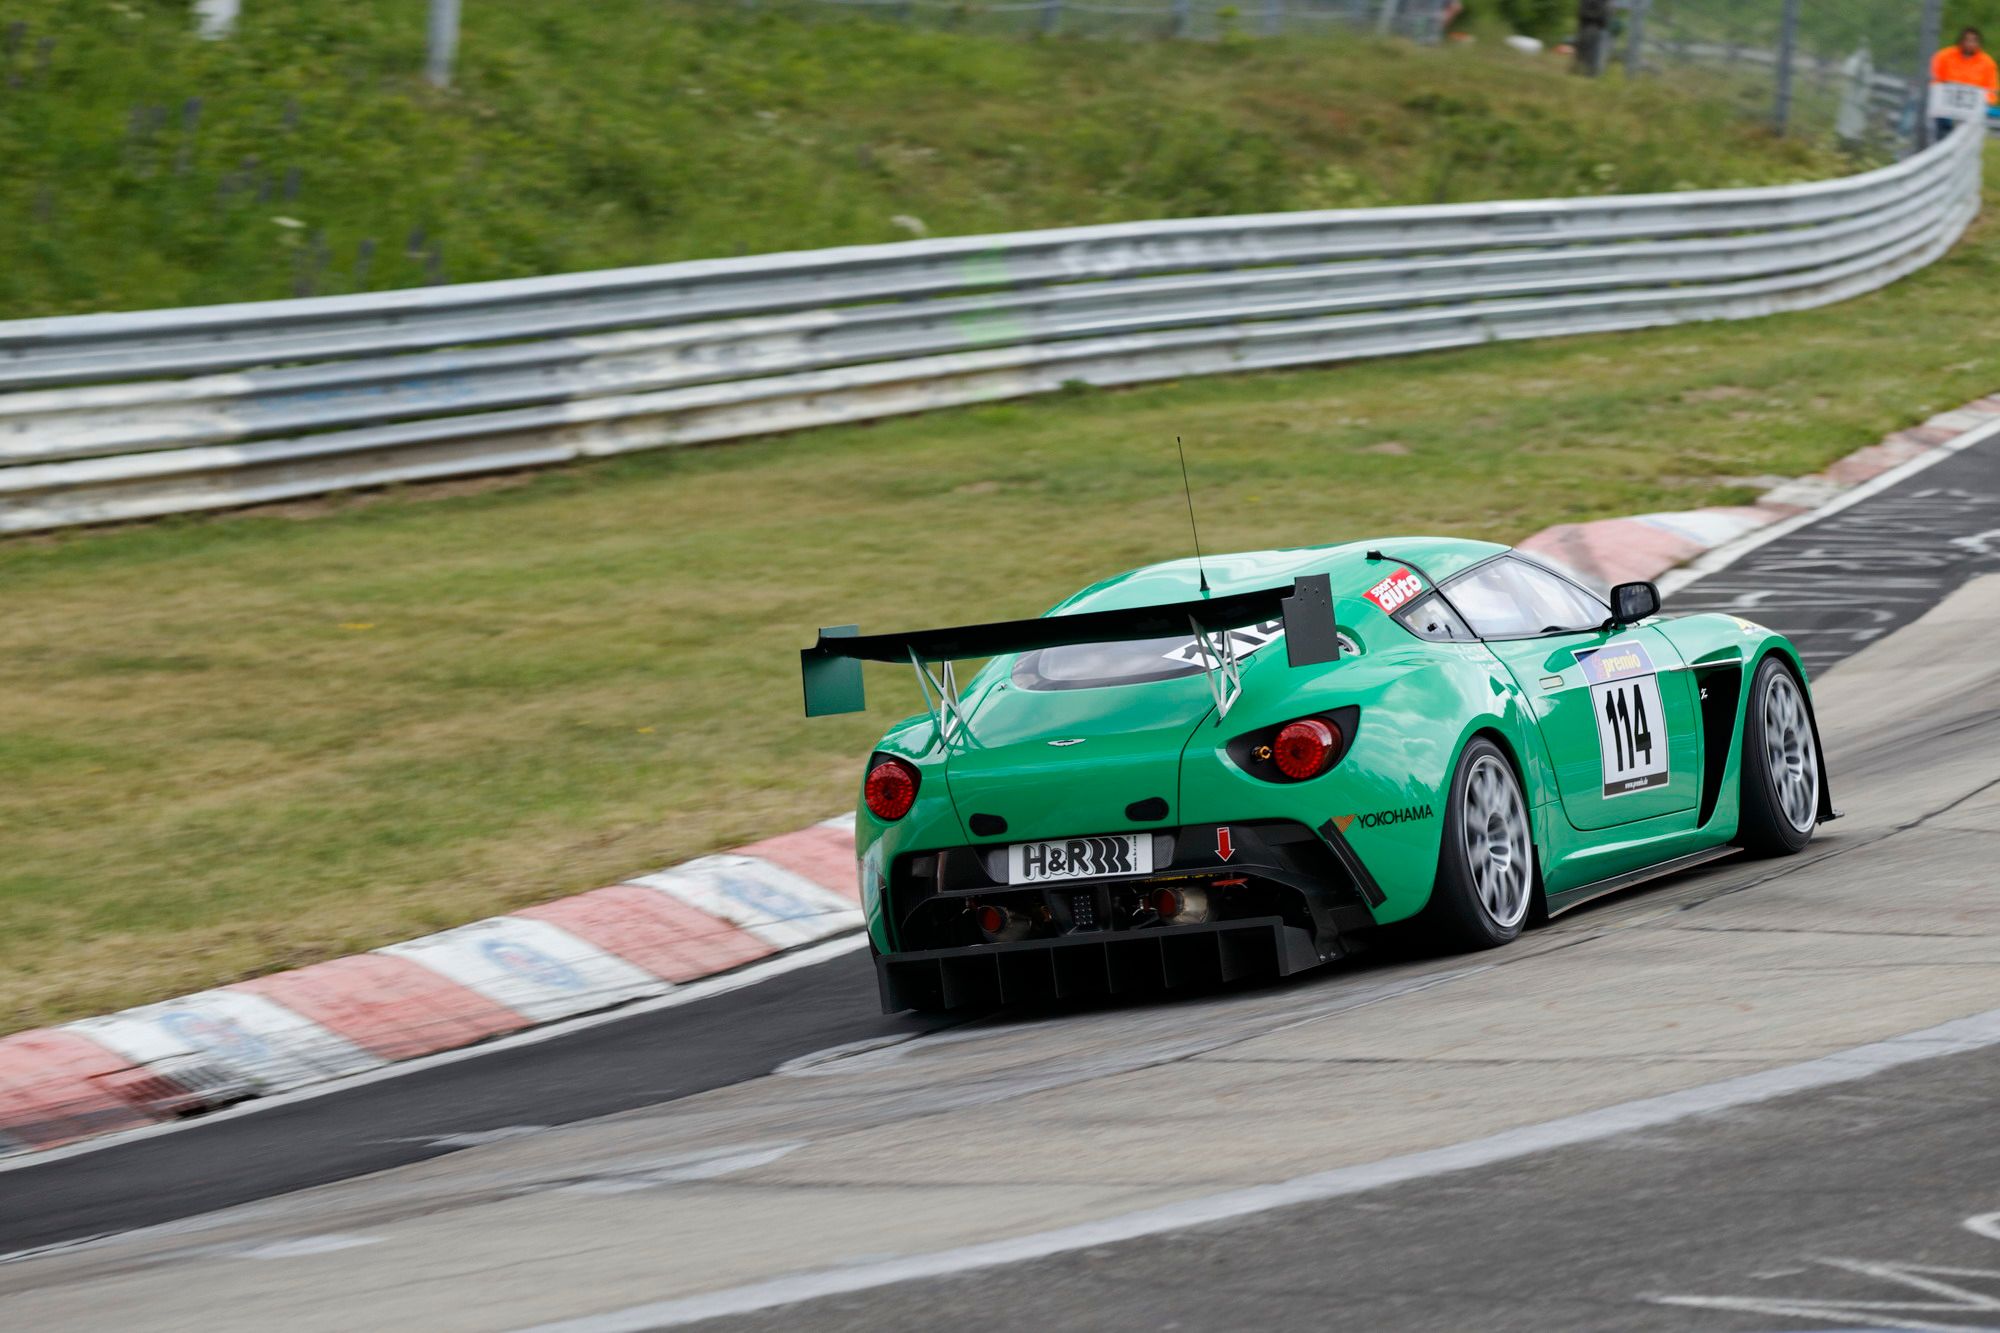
x=1298 y=750
x=1304 y=748
x=890 y=791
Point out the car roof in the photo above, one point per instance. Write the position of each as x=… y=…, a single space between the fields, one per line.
x=1347 y=564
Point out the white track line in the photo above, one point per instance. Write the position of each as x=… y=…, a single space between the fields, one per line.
x=1957 y=1037
x=1730 y=552
x=706 y=988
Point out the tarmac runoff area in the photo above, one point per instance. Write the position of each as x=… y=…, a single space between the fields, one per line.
x=1716 y=1102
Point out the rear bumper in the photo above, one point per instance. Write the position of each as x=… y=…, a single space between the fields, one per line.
x=1131 y=962
x=1280 y=868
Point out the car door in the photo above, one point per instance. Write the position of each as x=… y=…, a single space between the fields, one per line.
x=1616 y=706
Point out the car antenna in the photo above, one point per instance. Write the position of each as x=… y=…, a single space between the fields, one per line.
x=1188 y=491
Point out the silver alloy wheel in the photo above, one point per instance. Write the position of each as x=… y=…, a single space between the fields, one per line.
x=1497 y=849
x=1789 y=752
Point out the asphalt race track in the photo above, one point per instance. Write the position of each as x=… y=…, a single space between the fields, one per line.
x=1845 y=580
x=1837 y=1202
x=639 y=1061
x=1835 y=1208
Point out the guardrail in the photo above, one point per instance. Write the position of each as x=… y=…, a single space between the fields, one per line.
x=112 y=417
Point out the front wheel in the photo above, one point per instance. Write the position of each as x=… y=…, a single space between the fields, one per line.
x=1780 y=781
x=1486 y=869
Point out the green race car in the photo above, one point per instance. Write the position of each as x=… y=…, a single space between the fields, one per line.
x=1202 y=771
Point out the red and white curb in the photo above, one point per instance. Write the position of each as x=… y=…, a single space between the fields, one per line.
x=591 y=952
x=643 y=937
x=1645 y=546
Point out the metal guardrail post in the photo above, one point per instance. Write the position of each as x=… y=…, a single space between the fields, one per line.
x=1635 y=36
x=216 y=19
x=443 y=42
x=1385 y=20
x=1788 y=40
x=1183 y=17
x=1274 y=18
x=1927 y=44
x=1051 y=15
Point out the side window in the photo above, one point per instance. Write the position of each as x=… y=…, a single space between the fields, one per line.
x=1512 y=599
x=1563 y=605
x=1429 y=618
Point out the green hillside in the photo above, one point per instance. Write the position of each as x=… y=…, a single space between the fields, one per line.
x=307 y=156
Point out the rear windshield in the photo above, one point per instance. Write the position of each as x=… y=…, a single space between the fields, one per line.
x=1082 y=666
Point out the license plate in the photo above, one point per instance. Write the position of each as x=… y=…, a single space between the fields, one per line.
x=1080 y=858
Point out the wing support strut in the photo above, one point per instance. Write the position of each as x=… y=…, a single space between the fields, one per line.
x=948 y=712
x=1222 y=670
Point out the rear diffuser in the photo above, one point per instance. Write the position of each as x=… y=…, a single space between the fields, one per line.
x=1134 y=962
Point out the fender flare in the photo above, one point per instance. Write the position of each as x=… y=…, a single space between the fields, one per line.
x=1788 y=658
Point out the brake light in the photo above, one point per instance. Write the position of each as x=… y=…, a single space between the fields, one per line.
x=1304 y=748
x=890 y=791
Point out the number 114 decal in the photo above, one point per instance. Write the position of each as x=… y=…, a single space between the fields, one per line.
x=1631 y=724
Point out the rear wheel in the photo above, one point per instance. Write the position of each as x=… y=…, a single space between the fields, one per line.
x=1486 y=868
x=1780 y=780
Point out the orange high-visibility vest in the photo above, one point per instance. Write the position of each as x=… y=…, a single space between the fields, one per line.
x=1952 y=65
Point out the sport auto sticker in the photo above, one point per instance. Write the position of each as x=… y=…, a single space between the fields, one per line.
x=1631 y=722
x=1397 y=591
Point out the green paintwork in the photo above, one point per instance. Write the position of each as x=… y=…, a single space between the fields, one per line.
x=1569 y=722
x=1420 y=702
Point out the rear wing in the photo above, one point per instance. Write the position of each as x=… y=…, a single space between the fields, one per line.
x=832 y=666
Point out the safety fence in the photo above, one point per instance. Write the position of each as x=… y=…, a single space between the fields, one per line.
x=1419 y=20
x=113 y=417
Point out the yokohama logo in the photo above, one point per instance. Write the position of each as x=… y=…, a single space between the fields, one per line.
x=1396 y=590
x=1403 y=816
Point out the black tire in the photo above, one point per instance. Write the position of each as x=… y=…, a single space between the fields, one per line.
x=1780 y=785
x=1461 y=912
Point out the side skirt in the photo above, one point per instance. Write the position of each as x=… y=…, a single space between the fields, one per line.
x=1583 y=893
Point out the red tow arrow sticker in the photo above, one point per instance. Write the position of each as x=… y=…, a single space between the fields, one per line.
x=1222 y=847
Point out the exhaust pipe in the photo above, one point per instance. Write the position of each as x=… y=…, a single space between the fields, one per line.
x=1179 y=907
x=997 y=925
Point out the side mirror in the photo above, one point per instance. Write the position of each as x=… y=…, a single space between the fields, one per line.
x=1633 y=602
